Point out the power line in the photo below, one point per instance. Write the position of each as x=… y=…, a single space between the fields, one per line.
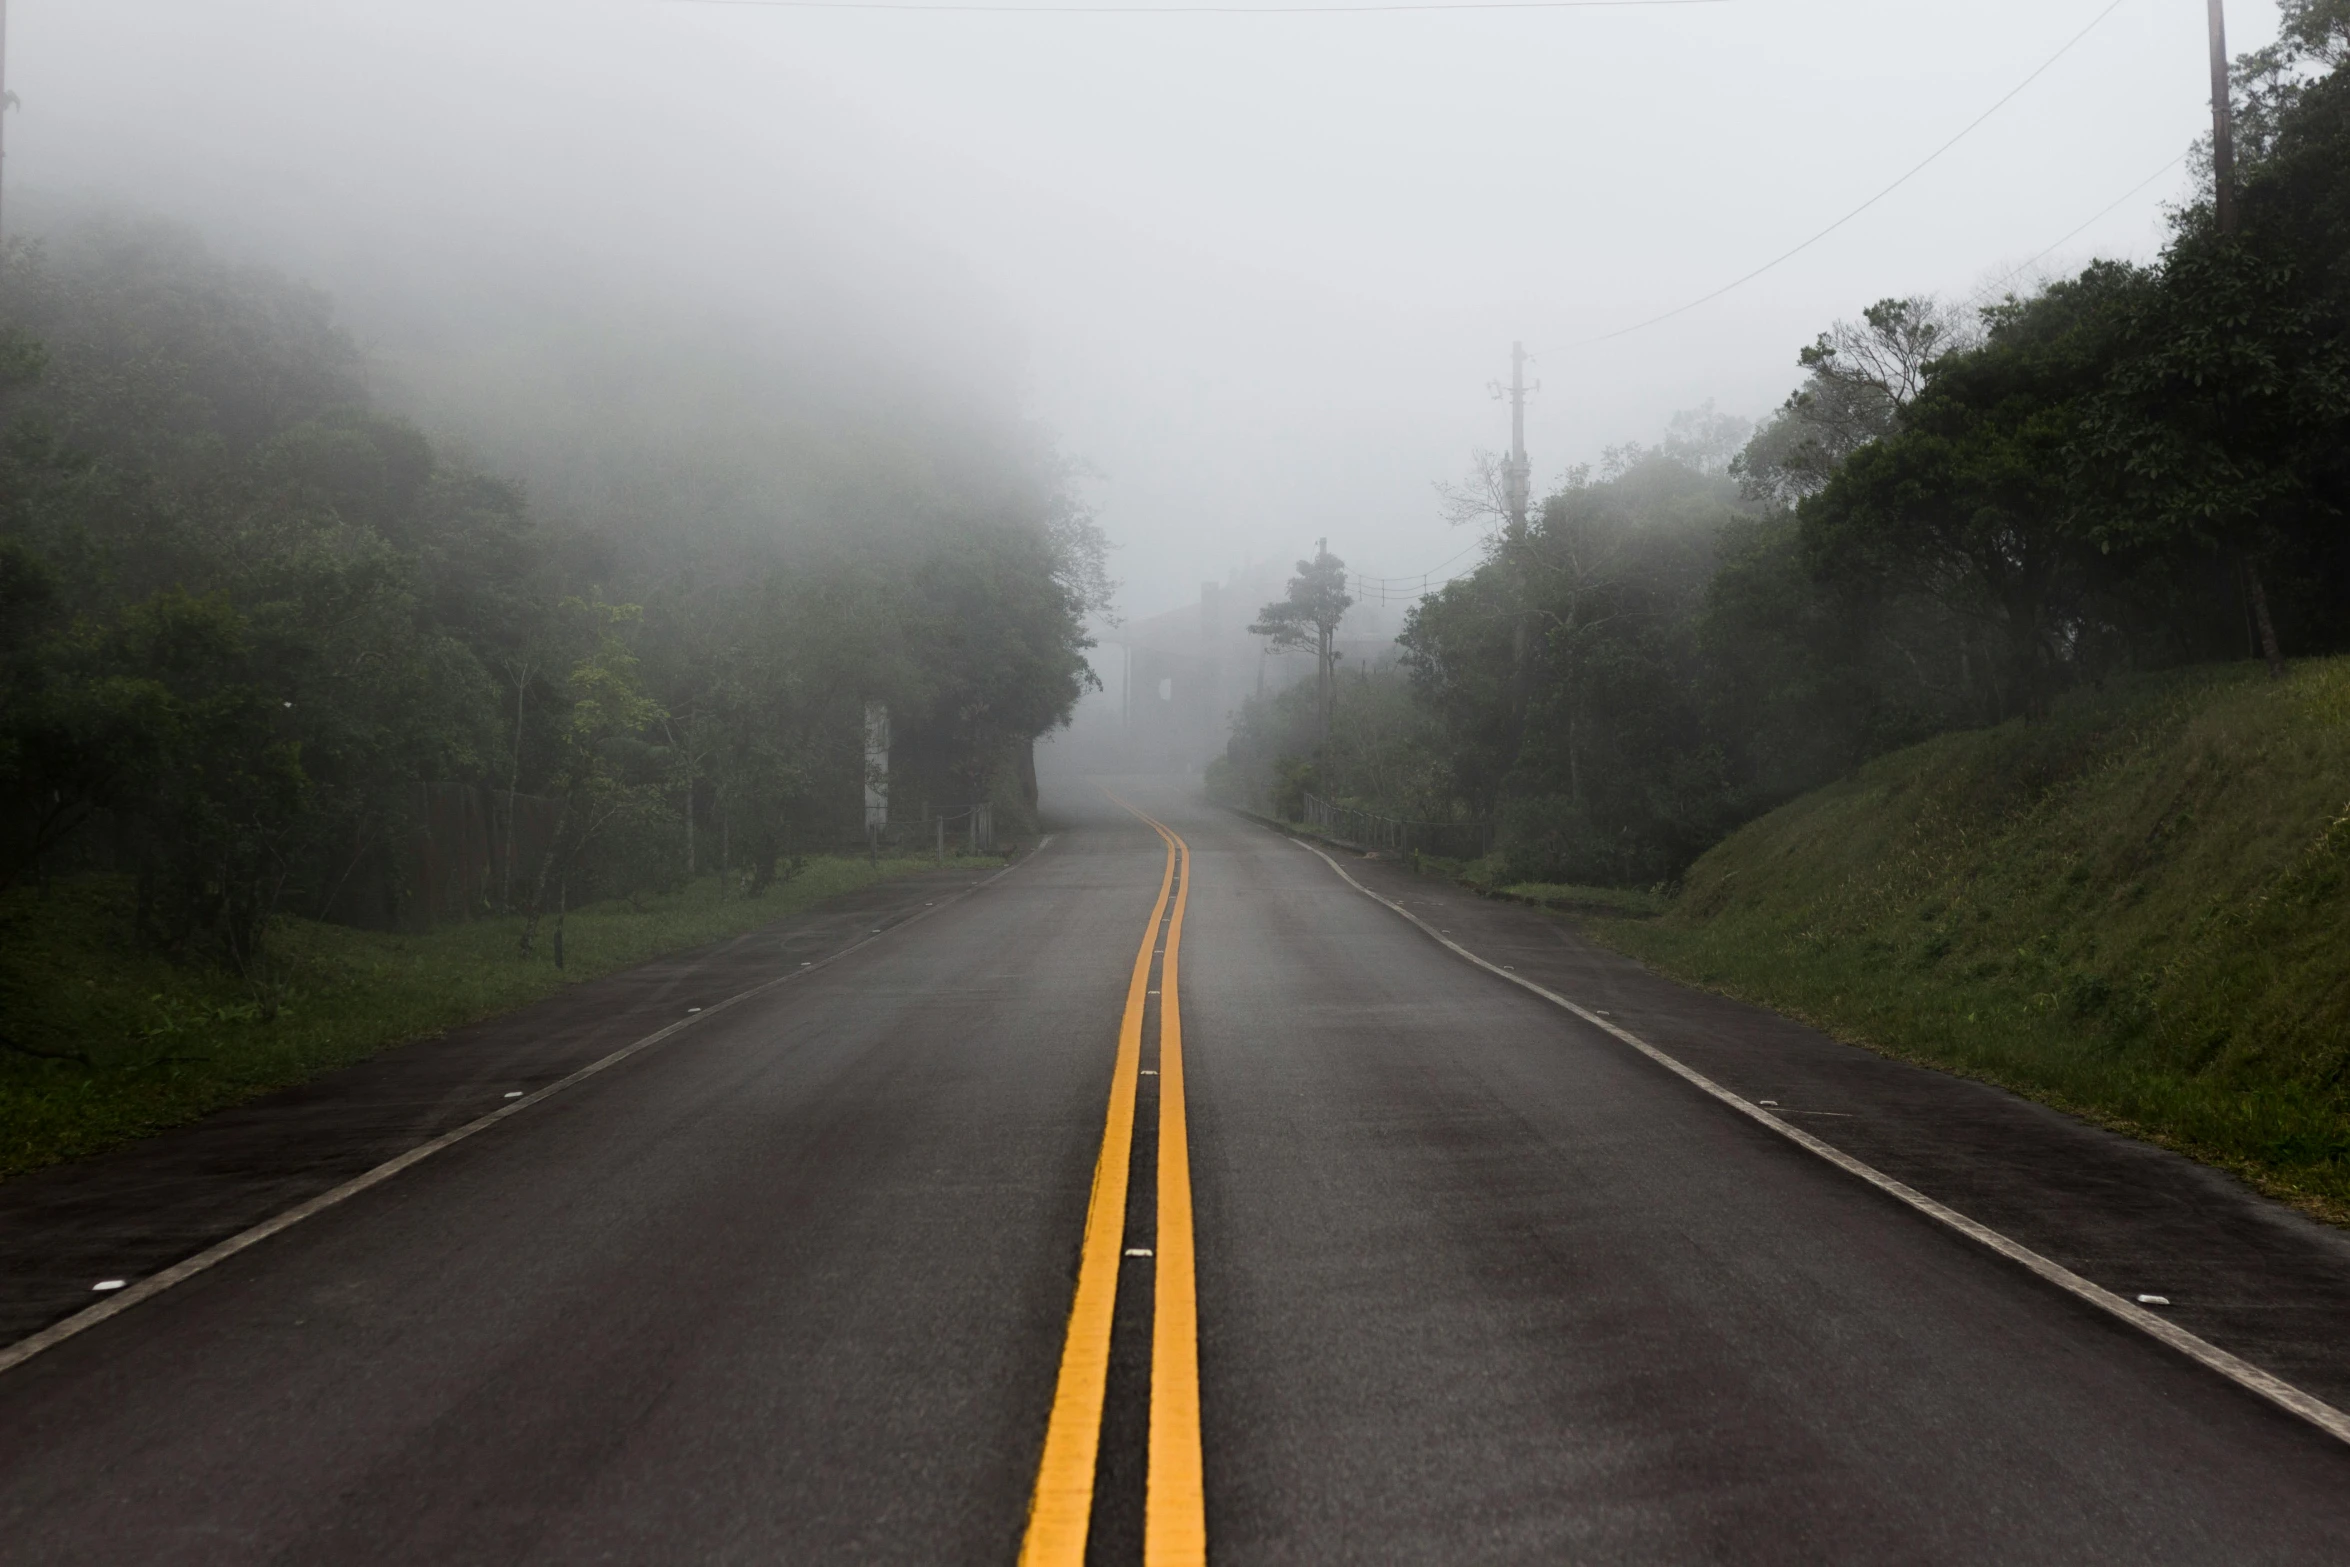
x=1641 y=326
x=1193 y=10
x=1422 y=576
x=2013 y=273
x=1389 y=590
x=1411 y=585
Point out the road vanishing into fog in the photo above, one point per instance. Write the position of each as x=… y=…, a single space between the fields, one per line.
x=1386 y=1260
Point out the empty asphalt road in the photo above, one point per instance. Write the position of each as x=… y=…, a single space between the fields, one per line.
x=1474 y=1281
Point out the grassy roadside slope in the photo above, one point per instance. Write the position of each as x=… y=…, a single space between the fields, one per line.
x=162 y=1043
x=2136 y=909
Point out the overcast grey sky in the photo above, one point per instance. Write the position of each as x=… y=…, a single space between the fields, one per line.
x=1255 y=269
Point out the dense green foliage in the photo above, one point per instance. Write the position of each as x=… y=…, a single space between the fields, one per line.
x=244 y=612
x=252 y=628
x=1380 y=745
x=1954 y=520
x=2135 y=905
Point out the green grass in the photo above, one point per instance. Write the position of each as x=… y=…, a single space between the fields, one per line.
x=1624 y=902
x=2136 y=909
x=163 y=1043
x=1568 y=897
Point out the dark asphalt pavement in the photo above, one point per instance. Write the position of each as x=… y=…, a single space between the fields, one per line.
x=1476 y=1283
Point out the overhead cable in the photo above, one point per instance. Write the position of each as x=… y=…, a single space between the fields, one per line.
x=1988 y=289
x=1918 y=168
x=1423 y=576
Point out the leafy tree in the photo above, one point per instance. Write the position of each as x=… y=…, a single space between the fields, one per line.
x=609 y=771
x=2221 y=424
x=2271 y=86
x=243 y=614
x=1970 y=503
x=1563 y=674
x=1859 y=378
x=1307 y=618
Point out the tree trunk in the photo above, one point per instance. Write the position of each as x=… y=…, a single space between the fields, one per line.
x=513 y=785
x=2268 y=630
x=530 y=924
x=538 y=895
x=1574 y=767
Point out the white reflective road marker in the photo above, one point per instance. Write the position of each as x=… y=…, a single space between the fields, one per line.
x=2202 y=1351
x=516 y=1094
x=1138 y=1251
x=109 y=1284
x=2154 y=1300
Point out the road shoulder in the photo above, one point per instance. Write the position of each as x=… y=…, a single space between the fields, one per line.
x=142 y=1208
x=2244 y=1272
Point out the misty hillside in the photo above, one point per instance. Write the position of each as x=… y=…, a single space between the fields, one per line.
x=250 y=609
x=1963 y=512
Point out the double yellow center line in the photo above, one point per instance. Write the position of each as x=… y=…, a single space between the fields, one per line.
x=1174 y=1514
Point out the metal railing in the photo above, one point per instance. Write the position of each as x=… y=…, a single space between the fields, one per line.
x=1370 y=830
x=970 y=830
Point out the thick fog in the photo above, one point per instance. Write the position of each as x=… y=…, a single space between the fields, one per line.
x=1254 y=271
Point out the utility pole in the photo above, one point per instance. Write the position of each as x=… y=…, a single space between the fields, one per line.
x=3 y=109
x=1514 y=478
x=2223 y=150
x=1322 y=680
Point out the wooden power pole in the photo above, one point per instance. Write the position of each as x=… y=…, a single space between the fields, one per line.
x=2223 y=149
x=1515 y=479
x=3 y=111
x=1325 y=688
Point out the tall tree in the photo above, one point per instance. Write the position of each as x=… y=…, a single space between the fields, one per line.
x=1970 y=503
x=1859 y=376
x=1308 y=617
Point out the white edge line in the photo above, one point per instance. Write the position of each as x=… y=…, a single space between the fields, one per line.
x=187 y=1268
x=2242 y=1372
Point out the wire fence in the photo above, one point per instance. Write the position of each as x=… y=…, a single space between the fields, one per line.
x=1370 y=830
x=970 y=830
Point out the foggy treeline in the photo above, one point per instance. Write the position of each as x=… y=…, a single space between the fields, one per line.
x=245 y=607
x=1959 y=514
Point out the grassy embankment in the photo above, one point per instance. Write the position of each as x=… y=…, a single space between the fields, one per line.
x=1567 y=897
x=1478 y=875
x=2136 y=909
x=162 y=1043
